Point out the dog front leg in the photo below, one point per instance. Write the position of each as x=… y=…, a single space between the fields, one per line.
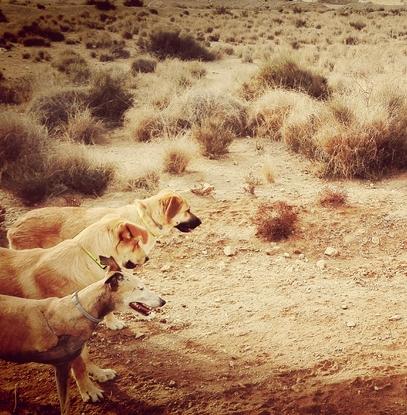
x=96 y=372
x=114 y=323
x=87 y=389
x=62 y=380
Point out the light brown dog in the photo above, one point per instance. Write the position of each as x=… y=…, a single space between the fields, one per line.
x=67 y=267
x=48 y=226
x=54 y=330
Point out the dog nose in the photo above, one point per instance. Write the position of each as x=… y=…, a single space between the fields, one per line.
x=162 y=302
x=146 y=259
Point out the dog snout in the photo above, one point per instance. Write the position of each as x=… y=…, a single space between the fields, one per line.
x=162 y=302
x=192 y=222
x=195 y=222
x=130 y=265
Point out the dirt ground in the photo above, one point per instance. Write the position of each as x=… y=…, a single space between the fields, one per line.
x=268 y=330
x=265 y=331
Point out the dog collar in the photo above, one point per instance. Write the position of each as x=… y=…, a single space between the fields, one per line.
x=92 y=257
x=147 y=225
x=78 y=305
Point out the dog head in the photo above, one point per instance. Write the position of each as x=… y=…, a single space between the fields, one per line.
x=171 y=210
x=128 y=292
x=125 y=242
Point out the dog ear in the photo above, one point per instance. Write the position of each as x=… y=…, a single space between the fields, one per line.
x=129 y=231
x=109 y=262
x=172 y=206
x=113 y=281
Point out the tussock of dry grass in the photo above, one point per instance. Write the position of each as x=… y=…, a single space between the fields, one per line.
x=332 y=197
x=148 y=180
x=177 y=156
x=268 y=172
x=275 y=221
x=251 y=182
x=143 y=65
x=145 y=124
x=166 y=44
x=285 y=72
x=213 y=136
x=34 y=167
x=83 y=128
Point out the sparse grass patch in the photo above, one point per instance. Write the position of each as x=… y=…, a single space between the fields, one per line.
x=251 y=182
x=74 y=66
x=275 y=221
x=166 y=44
x=268 y=172
x=146 y=124
x=332 y=197
x=15 y=91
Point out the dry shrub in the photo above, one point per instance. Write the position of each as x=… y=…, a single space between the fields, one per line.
x=54 y=108
x=300 y=127
x=251 y=182
x=177 y=156
x=146 y=124
x=15 y=91
x=268 y=113
x=108 y=97
x=83 y=128
x=342 y=112
x=74 y=66
x=166 y=44
x=285 y=72
x=34 y=167
x=331 y=197
x=275 y=221
x=148 y=180
x=213 y=136
x=196 y=107
x=143 y=65
x=99 y=40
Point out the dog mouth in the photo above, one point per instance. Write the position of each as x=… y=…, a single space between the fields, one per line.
x=141 y=308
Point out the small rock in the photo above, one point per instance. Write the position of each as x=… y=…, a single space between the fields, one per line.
x=165 y=268
x=229 y=250
x=301 y=256
x=297 y=251
x=375 y=240
x=344 y=307
x=172 y=383
x=321 y=264
x=351 y=324
x=396 y=317
x=286 y=255
x=330 y=251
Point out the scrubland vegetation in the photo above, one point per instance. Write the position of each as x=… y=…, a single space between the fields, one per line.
x=325 y=86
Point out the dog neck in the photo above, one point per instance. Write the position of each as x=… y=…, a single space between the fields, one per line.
x=95 y=301
x=148 y=221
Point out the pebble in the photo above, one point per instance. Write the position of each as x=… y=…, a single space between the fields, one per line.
x=321 y=264
x=286 y=255
x=301 y=256
x=330 y=251
x=396 y=317
x=351 y=324
x=344 y=307
x=229 y=250
x=375 y=240
x=172 y=383
x=165 y=268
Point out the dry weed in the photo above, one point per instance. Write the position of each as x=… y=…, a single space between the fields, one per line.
x=275 y=221
x=331 y=197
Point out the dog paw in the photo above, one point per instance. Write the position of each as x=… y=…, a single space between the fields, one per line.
x=113 y=323
x=102 y=375
x=91 y=393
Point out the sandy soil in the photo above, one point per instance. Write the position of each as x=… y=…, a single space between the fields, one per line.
x=264 y=331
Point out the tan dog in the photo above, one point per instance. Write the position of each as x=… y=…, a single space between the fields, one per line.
x=65 y=268
x=48 y=226
x=54 y=330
